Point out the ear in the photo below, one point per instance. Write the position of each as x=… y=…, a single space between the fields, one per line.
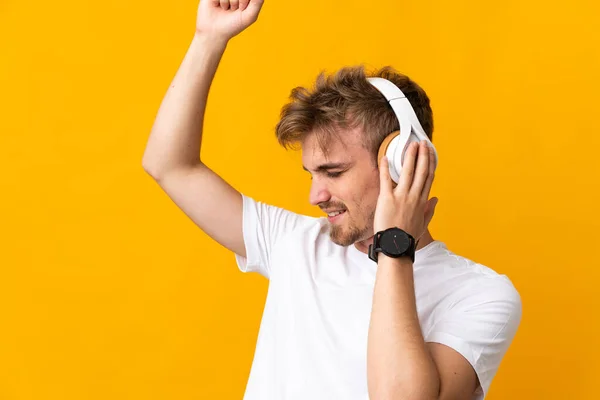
x=430 y=210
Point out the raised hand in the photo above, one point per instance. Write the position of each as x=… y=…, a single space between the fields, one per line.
x=223 y=19
x=407 y=206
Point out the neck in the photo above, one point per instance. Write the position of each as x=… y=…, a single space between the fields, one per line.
x=363 y=245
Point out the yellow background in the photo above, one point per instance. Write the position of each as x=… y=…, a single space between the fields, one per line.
x=107 y=290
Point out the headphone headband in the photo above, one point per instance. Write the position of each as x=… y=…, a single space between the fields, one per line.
x=402 y=108
x=410 y=127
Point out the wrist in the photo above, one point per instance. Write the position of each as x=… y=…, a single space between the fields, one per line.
x=207 y=39
x=400 y=265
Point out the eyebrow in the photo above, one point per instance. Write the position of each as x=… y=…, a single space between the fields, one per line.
x=329 y=166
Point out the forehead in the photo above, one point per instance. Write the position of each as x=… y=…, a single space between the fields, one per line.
x=346 y=147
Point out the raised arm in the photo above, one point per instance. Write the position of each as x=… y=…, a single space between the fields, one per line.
x=172 y=155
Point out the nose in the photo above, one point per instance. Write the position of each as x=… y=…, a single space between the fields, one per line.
x=318 y=193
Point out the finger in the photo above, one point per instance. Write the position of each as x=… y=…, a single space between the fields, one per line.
x=422 y=169
x=431 y=173
x=244 y=4
x=215 y=3
x=385 y=181
x=255 y=5
x=430 y=210
x=234 y=4
x=408 y=169
x=225 y=4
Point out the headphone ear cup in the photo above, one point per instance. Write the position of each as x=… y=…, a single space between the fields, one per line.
x=383 y=149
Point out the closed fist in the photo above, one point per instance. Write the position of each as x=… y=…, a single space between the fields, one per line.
x=223 y=19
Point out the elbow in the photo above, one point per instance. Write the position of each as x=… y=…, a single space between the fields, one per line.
x=414 y=391
x=152 y=165
x=400 y=395
x=147 y=164
x=158 y=171
x=151 y=170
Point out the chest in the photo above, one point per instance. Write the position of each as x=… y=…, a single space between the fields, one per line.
x=325 y=294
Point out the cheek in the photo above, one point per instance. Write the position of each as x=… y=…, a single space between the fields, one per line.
x=365 y=195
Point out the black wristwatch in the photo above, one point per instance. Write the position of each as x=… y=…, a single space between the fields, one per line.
x=393 y=242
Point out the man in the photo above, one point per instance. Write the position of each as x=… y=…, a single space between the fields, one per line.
x=337 y=325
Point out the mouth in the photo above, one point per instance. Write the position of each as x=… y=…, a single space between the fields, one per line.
x=335 y=216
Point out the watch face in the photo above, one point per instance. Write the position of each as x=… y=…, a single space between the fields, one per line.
x=394 y=242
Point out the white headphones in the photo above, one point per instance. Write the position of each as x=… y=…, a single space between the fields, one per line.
x=395 y=144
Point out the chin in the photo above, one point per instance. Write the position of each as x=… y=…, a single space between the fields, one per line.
x=343 y=236
x=341 y=241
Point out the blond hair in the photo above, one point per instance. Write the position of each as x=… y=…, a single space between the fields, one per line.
x=346 y=100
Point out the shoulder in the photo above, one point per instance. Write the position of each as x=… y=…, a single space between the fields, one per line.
x=488 y=294
x=282 y=222
x=467 y=283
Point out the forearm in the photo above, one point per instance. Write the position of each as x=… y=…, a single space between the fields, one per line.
x=399 y=365
x=176 y=135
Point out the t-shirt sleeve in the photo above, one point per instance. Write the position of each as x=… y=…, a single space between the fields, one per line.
x=481 y=326
x=263 y=225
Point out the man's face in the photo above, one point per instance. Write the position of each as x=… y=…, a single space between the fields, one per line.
x=346 y=180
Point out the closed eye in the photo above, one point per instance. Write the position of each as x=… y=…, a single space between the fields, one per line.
x=333 y=174
x=325 y=169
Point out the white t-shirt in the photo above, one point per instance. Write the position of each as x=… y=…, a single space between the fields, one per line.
x=312 y=341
